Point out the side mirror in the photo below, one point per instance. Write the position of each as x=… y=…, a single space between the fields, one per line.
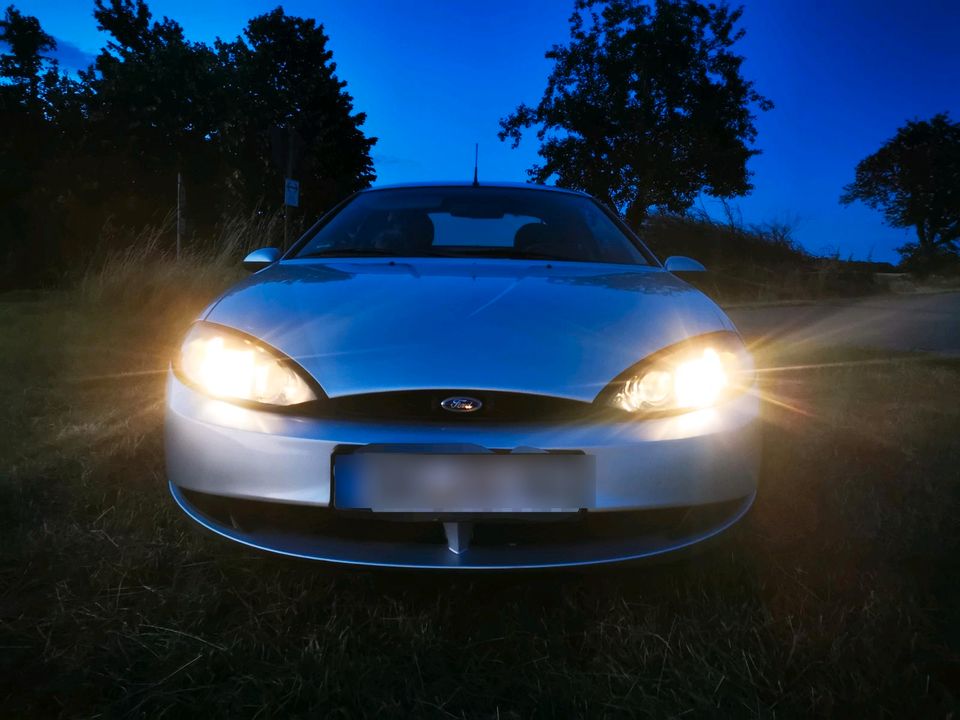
x=679 y=263
x=259 y=259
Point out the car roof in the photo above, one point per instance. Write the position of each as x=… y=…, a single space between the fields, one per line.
x=465 y=183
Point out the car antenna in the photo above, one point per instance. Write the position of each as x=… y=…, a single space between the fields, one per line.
x=476 y=158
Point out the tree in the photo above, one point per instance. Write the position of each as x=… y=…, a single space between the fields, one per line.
x=914 y=179
x=155 y=102
x=646 y=106
x=284 y=78
x=22 y=66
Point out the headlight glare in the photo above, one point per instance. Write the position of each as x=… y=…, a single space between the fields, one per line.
x=701 y=380
x=696 y=374
x=230 y=366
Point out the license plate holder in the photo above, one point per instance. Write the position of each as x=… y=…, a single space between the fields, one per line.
x=464 y=483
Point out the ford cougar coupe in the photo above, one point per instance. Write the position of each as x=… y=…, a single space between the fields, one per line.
x=464 y=376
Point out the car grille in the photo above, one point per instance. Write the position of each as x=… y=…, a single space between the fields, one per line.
x=424 y=406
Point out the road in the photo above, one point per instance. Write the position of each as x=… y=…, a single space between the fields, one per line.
x=902 y=323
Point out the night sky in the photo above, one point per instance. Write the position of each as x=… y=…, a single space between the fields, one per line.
x=435 y=77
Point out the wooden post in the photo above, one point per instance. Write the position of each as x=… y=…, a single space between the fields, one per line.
x=178 y=213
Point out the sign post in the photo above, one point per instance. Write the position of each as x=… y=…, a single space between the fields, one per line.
x=179 y=195
x=287 y=146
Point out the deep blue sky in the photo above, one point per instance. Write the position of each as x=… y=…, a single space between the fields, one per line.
x=435 y=76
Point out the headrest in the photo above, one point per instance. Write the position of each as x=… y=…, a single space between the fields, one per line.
x=532 y=235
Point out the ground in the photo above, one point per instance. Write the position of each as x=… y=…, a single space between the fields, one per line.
x=837 y=595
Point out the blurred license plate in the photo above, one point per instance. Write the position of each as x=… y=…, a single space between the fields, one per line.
x=464 y=483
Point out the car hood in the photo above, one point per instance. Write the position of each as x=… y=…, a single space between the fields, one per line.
x=561 y=329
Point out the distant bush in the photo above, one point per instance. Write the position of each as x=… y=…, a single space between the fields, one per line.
x=723 y=243
x=754 y=262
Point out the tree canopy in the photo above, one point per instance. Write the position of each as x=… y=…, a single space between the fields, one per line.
x=646 y=106
x=107 y=145
x=914 y=179
x=285 y=78
x=26 y=41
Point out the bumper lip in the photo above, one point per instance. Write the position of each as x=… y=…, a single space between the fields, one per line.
x=429 y=557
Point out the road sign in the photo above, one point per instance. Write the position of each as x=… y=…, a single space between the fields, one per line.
x=291 y=193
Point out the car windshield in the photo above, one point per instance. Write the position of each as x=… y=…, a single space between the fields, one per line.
x=474 y=222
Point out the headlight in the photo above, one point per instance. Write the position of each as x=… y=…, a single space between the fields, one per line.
x=695 y=374
x=230 y=366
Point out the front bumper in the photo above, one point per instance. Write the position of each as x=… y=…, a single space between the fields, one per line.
x=700 y=469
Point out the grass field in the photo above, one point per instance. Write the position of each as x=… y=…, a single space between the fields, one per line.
x=838 y=595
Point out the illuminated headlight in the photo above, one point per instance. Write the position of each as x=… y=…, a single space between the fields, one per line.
x=230 y=366
x=695 y=374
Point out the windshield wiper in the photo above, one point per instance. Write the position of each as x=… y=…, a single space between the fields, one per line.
x=508 y=253
x=349 y=252
x=526 y=255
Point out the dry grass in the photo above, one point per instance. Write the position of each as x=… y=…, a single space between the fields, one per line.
x=838 y=595
x=147 y=277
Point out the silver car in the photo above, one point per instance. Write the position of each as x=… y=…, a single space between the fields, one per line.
x=463 y=376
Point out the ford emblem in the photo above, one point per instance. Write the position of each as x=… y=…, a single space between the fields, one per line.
x=461 y=404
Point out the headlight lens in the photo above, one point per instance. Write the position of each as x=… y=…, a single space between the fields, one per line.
x=232 y=367
x=695 y=374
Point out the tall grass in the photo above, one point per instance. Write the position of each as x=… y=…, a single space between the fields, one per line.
x=148 y=276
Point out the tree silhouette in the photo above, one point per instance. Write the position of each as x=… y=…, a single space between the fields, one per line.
x=282 y=75
x=914 y=179
x=646 y=106
x=154 y=100
x=22 y=65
